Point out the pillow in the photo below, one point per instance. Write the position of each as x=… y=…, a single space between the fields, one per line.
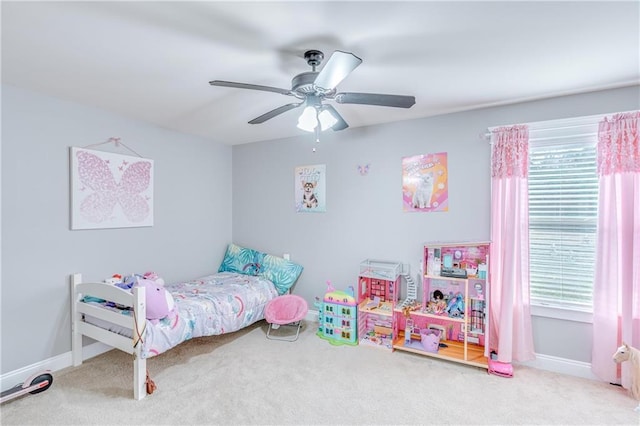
x=242 y=260
x=281 y=272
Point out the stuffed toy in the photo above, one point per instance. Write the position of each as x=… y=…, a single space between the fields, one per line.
x=125 y=283
x=455 y=308
x=631 y=354
x=153 y=277
x=160 y=303
x=115 y=279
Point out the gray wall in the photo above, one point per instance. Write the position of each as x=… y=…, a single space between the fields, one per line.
x=364 y=217
x=194 y=183
x=192 y=220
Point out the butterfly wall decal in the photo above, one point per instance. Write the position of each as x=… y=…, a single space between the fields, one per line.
x=129 y=192
x=363 y=170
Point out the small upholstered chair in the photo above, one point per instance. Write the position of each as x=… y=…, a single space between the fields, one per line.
x=286 y=310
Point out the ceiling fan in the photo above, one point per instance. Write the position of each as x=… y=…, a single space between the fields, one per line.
x=313 y=87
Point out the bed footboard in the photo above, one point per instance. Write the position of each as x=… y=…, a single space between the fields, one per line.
x=136 y=324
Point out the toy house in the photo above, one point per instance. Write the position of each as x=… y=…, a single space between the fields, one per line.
x=337 y=317
x=453 y=311
x=378 y=291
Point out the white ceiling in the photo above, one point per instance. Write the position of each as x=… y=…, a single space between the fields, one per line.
x=152 y=61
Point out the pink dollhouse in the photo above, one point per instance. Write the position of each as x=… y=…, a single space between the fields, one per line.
x=378 y=290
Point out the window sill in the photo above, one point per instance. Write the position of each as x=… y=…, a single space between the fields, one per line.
x=562 y=313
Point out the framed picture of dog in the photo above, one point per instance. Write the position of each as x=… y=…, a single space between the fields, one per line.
x=310 y=189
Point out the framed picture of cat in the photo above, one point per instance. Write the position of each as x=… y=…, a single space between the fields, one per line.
x=424 y=183
x=310 y=189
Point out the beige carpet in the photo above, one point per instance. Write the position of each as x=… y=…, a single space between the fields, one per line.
x=243 y=378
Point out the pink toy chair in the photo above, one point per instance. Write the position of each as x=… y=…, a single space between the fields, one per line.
x=287 y=310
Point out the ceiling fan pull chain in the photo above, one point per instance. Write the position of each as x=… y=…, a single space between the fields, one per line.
x=317 y=137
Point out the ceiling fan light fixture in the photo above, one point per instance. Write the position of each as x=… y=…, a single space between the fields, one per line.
x=327 y=119
x=308 y=120
x=312 y=88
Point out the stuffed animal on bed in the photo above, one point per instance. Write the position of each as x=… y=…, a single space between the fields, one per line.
x=159 y=301
x=153 y=277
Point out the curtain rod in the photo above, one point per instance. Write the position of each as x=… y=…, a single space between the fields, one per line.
x=559 y=124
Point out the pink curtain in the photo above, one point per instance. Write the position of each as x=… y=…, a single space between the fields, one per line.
x=616 y=292
x=510 y=320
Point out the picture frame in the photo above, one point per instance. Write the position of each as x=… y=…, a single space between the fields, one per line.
x=310 y=189
x=110 y=190
x=425 y=183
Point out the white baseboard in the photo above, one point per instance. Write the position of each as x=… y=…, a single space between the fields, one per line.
x=57 y=363
x=312 y=315
x=562 y=365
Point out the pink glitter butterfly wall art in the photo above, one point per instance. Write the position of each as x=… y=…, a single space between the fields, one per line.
x=110 y=190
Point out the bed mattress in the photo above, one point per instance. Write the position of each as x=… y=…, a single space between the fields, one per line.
x=211 y=305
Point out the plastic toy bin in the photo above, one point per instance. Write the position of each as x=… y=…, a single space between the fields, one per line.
x=430 y=340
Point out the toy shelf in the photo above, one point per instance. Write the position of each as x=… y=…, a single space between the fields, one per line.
x=385 y=308
x=455 y=351
x=434 y=316
x=452 y=279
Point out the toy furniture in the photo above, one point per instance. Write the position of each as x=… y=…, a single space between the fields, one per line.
x=287 y=310
x=455 y=300
x=430 y=340
x=337 y=317
x=378 y=291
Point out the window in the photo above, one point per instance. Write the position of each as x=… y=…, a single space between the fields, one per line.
x=563 y=205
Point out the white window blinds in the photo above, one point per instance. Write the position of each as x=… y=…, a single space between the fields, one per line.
x=563 y=203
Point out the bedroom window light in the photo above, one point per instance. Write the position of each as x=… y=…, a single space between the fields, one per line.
x=563 y=205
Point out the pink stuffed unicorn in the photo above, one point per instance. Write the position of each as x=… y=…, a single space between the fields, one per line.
x=159 y=301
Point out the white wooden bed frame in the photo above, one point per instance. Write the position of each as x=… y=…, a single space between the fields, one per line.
x=134 y=299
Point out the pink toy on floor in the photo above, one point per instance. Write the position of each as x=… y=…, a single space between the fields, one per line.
x=501 y=369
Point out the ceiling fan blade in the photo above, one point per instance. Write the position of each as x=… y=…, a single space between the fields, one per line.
x=250 y=86
x=398 y=101
x=269 y=115
x=339 y=65
x=340 y=124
